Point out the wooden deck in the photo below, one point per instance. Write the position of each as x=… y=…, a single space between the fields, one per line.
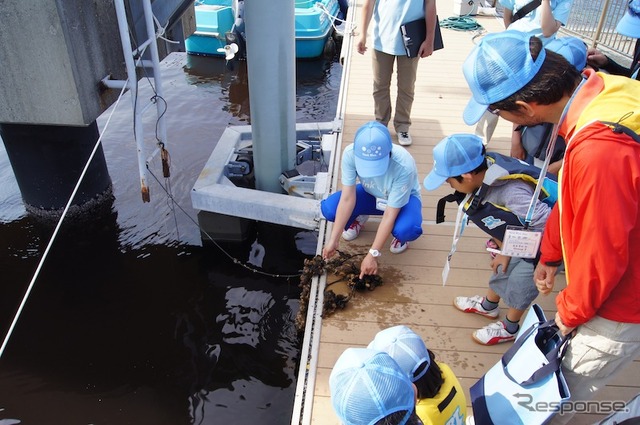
x=413 y=293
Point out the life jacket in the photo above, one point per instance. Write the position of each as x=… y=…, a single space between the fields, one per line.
x=492 y=218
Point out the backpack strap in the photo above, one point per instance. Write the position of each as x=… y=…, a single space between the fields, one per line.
x=477 y=199
x=454 y=197
x=493 y=173
x=524 y=10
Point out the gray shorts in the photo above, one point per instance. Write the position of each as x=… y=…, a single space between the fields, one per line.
x=516 y=286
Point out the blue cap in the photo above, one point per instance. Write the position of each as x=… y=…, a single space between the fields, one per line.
x=368 y=385
x=371 y=147
x=405 y=347
x=572 y=49
x=497 y=68
x=629 y=25
x=453 y=156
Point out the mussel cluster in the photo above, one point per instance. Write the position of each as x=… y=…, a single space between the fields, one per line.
x=345 y=267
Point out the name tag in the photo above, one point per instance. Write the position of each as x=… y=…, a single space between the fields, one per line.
x=521 y=243
x=381 y=204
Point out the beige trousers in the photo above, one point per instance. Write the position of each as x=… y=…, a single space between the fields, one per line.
x=600 y=349
x=406 y=76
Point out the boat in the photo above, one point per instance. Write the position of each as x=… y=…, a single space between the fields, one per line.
x=220 y=28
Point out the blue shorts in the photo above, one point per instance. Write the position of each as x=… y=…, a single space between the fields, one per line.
x=408 y=225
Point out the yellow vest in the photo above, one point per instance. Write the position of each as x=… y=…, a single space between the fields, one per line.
x=622 y=100
x=448 y=407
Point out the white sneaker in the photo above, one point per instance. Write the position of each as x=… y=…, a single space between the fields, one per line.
x=354 y=230
x=470 y=420
x=398 y=247
x=493 y=334
x=404 y=138
x=474 y=305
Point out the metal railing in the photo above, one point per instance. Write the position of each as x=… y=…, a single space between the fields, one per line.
x=595 y=22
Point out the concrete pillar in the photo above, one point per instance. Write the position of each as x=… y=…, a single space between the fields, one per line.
x=47 y=162
x=271 y=60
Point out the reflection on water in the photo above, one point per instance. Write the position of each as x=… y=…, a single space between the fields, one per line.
x=133 y=320
x=247 y=357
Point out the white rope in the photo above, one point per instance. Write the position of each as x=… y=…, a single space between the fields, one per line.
x=349 y=28
x=162 y=30
x=55 y=232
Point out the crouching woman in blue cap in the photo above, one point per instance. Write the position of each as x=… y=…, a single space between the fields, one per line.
x=388 y=186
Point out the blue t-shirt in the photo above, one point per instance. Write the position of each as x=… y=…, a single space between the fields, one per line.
x=531 y=22
x=388 y=16
x=396 y=185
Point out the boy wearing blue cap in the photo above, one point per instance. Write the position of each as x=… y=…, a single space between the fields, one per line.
x=388 y=186
x=595 y=226
x=496 y=200
x=368 y=387
x=441 y=399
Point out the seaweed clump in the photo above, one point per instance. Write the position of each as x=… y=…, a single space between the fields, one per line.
x=345 y=267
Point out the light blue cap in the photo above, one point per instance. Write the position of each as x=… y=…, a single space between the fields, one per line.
x=405 y=347
x=629 y=25
x=371 y=146
x=453 y=156
x=368 y=385
x=572 y=49
x=497 y=68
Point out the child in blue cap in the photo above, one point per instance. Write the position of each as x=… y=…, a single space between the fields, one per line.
x=441 y=399
x=368 y=387
x=497 y=200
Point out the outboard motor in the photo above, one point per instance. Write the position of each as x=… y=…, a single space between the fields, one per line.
x=236 y=35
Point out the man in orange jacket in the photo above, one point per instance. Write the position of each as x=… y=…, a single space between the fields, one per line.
x=595 y=226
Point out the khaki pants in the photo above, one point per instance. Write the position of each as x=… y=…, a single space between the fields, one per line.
x=600 y=349
x=406 y=76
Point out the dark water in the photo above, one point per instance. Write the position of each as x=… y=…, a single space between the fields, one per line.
x=133 y=320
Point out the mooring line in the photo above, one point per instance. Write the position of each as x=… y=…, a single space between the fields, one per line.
x=55 y=232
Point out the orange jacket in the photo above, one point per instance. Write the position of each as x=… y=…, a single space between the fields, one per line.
x=595 y=226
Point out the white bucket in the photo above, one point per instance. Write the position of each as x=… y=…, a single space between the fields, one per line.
x=465 y=7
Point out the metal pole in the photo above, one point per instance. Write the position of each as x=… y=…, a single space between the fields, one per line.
x=603 y=16
x=155 y=58
x=271 y=58
x=132 y=86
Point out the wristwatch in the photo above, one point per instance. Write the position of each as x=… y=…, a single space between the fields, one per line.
x=374 y=252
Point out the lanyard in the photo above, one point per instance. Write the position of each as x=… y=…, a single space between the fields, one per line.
x=545 y=166
x=461 y=223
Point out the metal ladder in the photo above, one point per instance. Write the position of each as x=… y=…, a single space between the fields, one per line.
x=133 y=59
